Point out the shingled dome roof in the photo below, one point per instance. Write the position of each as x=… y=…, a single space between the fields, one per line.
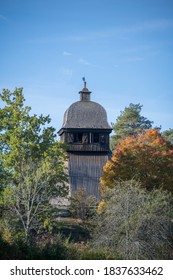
x=85 y=114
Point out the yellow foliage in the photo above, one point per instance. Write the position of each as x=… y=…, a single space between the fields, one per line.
x=7 y=236
x=101 y=207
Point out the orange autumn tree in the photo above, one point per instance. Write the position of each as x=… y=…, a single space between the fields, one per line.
x=147 y=157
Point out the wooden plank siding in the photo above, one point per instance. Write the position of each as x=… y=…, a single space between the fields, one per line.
x=88 y=148
x=85 y=171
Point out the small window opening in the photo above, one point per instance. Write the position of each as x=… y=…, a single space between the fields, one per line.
x=95 y=137
x=78 y=137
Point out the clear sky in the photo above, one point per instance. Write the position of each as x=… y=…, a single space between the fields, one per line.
x=124 y=48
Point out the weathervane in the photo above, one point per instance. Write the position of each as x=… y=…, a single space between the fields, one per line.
x=83 y=79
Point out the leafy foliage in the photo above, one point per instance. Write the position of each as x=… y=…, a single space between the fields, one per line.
x=22 y=136
x=28 y=202
x=135 y=223
x=83 y=206
x=129 y=123
x=147 y=157
x=51 y=248
x=168 y=135
x=32 y=163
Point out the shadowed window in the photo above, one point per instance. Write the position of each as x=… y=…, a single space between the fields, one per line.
x=95 y=137
x=78 y=137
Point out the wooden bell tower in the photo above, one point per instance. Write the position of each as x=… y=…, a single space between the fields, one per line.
x=86 y=131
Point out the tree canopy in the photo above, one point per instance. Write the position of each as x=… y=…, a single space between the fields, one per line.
x=25 y=137
x=32 y=162
x=147 y=157
x=129 y=123
x=168 y=135
x=22 y=136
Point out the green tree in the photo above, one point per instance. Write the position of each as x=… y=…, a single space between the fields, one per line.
x=129 y=123
x=135 y=223
x=32 y=162
x=22 y=136
x=28 y=202
x=168 y=135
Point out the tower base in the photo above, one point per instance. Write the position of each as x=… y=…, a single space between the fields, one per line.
x=85 y=172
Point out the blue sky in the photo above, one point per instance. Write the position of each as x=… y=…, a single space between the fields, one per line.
x=124 y=48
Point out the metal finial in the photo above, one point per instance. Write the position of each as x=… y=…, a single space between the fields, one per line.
x=84 y=82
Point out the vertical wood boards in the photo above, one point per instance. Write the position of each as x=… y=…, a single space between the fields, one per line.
x=85 y=172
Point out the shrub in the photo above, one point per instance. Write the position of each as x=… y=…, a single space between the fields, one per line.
x=83 y=206
x=135 y=223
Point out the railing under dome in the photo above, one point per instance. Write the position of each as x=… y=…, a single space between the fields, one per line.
x=88 y=148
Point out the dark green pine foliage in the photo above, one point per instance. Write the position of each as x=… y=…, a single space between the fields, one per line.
x=168 y=135
x=129 y=123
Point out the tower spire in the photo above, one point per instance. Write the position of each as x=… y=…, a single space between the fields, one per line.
x=84 y=82
x=84 y=93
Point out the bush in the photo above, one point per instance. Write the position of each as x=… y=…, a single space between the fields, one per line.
x=135 y=223
x=82 y=206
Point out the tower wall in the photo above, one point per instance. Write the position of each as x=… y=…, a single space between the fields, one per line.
x=85 y=171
